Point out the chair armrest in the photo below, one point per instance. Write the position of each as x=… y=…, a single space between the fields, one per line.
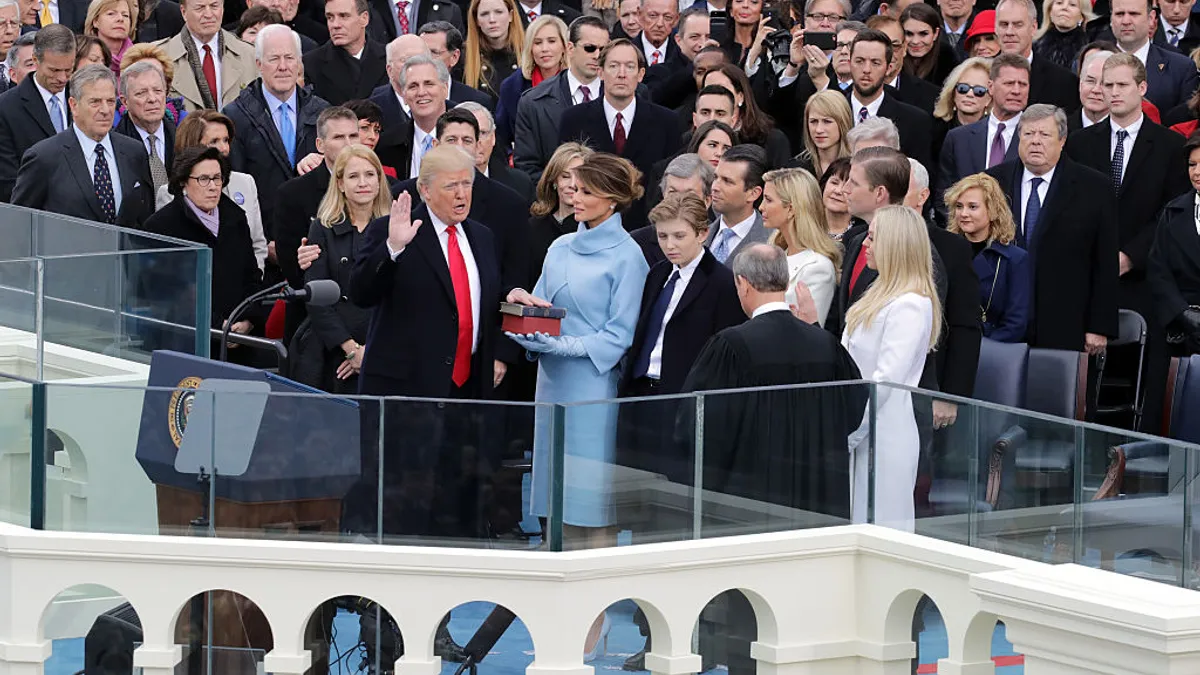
x=1009 y=441
x=1012 y=438
x=1143 y=449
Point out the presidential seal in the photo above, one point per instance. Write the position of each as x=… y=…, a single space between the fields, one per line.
x=180 y=407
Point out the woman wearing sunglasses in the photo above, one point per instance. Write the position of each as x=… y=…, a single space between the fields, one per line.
x=964 y=99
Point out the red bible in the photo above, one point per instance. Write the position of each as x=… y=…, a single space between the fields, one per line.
x=524 y=320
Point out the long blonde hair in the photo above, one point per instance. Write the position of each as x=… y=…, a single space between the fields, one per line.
x=807 y=228
x=904 y=261
x=1085 y=9
x=547 y=187
x=833 y=105
x=334 y=207
x=526 y=58
x=1001 y=227
x=945 y=109
x=476 y=43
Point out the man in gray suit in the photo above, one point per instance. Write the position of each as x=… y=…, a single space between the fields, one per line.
x=539 y=110
x=735 y=194
x=87 y=171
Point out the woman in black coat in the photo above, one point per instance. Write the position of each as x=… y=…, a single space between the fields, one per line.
x=553 y=212
x=1173 y=268
x=201 y=213
x=328 y=347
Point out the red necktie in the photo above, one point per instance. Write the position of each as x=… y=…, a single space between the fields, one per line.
x=210 y=76
x=585 y=93
x=402 y=15
x=462 y=304
x=860 y=263
x=655 y=57
x=619 y=136
x=532 y=15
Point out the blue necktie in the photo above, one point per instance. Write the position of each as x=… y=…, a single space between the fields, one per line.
x=655 y=325
x=56 y=116
x=1118 y=160
x=287 y=132
x=102 y=182
x=720 y=248
x=1033 y=209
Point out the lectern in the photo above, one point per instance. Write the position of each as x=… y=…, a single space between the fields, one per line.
x=278 y=457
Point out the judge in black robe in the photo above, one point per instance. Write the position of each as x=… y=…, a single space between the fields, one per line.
x=786 y=446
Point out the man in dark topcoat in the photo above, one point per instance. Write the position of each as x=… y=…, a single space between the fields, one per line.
x=1066 y=218
x=622 y=124
x=25 y=113
x=1016 y=23
x=350 y=65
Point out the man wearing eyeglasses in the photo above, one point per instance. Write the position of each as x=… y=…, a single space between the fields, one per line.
x=541 y=108
x=10 y=30
x=990 y=141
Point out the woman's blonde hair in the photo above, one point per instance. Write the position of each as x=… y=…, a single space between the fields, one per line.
x=526 y=58
x=945 y=109
x=547 y=187
x=904 y=261
x=334 y=207
x=97 y=7
x=1001 y=227
x=476 y=44
x=144 y=50
x=1085 y=9
x=807 y=228
x=830 y=104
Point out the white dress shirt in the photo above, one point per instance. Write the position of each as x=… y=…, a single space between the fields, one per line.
x=1167 y=28
x=575 y=85
x=770 y=307
x=1087 y=121
x=526 y=9
x=872 y=108
x=1010 y=132
x=740 y=230
x=649 y=49
x=54 y=12
x=419 y=136
x=654 y=371
x=464 y=247
x=413 y=7
x=1133 y=130
x=1026 y=187
x=214 y=45
x=46 y=96
x=1196 y=212
x=159 y=146
x=89 y=155
x=610 y=113
x=1141 y=52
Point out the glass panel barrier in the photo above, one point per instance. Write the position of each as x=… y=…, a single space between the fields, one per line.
x=17 y=439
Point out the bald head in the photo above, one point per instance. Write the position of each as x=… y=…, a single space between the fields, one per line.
x=400 y=50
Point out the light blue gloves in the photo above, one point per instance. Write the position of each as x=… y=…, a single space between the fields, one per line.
x=541 y=343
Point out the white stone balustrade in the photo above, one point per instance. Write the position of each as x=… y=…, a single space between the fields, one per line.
x=833 y=601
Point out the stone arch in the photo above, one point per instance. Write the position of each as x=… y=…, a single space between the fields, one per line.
x=48 y=605
x=897 y=625
x=81 y=615
x=977 y=641
x=313 y=639
x=479 y=611
x=734 y=629
x=238 y=622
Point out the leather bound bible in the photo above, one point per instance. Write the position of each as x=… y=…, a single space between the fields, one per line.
x=523 y=320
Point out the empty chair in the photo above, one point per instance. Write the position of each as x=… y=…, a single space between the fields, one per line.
x=1056 y=384
x=1119 y=380
x=1000 y=379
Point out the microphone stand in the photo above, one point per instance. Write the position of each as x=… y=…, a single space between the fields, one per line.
x=239 y=310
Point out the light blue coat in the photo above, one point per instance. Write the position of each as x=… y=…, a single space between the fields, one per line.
x=597 y=275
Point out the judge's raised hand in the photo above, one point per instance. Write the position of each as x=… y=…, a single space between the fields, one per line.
x=307 y=254
x=520 y=296
x=401 y=227
x=804 y=308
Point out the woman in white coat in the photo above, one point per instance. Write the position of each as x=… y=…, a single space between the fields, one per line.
x=889 y=332
x=792 y=207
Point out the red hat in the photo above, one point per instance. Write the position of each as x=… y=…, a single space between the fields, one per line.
x=984 y=24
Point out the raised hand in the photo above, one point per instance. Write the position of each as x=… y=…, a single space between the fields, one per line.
x=401 y=227
x=307 y=254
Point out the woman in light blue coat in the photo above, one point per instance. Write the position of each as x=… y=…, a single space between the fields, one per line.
x=596 y=274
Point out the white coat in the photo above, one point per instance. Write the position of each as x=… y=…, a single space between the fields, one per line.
x=892 y=349
x=818 y=274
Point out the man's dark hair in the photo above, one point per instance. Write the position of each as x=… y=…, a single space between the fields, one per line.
x=186 y=160
x=578 y=24
x=360 y=6
x=457 y=116
x=718 y=90
x=55 y=38
x=334 y=112
x=689 y=13
x=872 y=35
x=365 y=110
x=1008 y=60
x=454 y=38
x=256 y=15
x=755 y=159
x=711 y=49
x=887 y=167
x=622 y=42
x=1101 y=45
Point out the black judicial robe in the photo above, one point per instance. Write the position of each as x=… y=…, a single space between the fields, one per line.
x=786 y=446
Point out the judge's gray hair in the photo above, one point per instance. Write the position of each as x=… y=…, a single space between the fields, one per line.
x=879 y=129
x=919 y=173
x=764 y=267
x=443 y=73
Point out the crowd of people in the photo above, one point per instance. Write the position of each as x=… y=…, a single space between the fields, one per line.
x=720 y=193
